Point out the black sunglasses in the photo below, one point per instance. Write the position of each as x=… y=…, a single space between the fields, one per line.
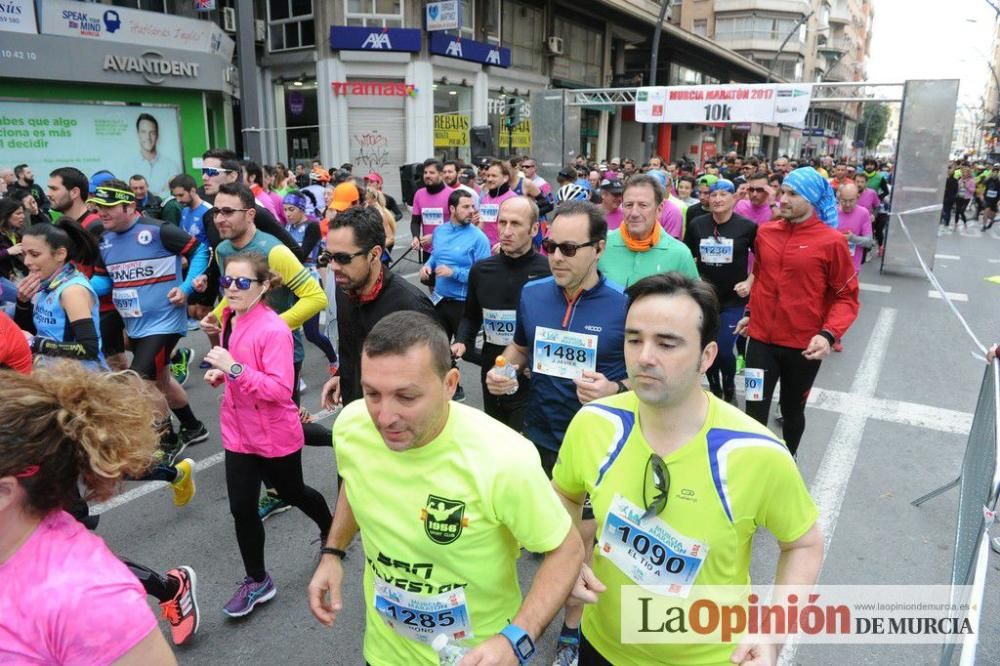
x=754 y=190
x=661 y=479
x=339 y=258
x=227 y=211
x=567 y=249
x=242 y=283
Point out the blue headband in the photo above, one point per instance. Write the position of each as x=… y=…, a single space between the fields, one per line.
x=814 y=188
x=722 y=184
x=295 y=199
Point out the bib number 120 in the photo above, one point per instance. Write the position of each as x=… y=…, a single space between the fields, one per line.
x=657 y=553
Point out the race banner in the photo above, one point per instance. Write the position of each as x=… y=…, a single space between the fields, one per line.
x=768 y=103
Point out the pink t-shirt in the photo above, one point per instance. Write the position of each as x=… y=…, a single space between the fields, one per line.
x=672 y=220
x=869 y=199
x=66 y=599
x=433 y=208
x=489 y=209
x=614 y=218
x=858 y=222
x=759 y=214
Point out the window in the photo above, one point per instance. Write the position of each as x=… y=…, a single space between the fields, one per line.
x=384 y=13
x=290 y=24
x=752 y=26
x=700 y=27
x=584 y=51
x=145 y=5
x=524 y=32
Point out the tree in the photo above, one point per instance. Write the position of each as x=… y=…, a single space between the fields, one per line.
x=874 y=120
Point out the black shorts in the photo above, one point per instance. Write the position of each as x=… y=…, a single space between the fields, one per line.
x=151 y=355
x=112 y=333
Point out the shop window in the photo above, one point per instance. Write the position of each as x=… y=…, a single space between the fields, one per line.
x=384 y=13
x=507 y=143
x=290 y=24
x=524 y=32
x=452 y=119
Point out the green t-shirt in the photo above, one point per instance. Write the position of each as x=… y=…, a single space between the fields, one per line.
x=730 y=479
x=451 y=514
x=626 y=267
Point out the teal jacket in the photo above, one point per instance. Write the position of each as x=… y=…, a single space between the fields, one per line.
x=625 y=267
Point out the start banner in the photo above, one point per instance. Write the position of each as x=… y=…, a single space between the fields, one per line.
x=768 y=103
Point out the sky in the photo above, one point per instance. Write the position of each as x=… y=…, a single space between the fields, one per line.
x=930 y=39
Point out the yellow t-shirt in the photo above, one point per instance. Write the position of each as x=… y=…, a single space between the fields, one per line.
x=730 y=479
x=445 y=517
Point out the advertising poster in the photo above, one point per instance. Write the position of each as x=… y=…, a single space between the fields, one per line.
x=125 y=140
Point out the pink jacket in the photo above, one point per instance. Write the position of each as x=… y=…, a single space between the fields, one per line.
x=257 y=414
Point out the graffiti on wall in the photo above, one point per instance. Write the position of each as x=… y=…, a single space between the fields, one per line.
x=372 y=150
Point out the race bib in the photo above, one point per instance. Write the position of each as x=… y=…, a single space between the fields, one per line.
x=127 y=302
x=498 y=326
x=489 y=212
x=436 y=297
x=564 y=353
x=991 y=194
x=422 y=617
x=650 y=552
x=716 y=251
x=851 y=247
x=753 y=379
x=433 y=216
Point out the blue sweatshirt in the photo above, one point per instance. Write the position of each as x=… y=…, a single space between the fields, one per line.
x=457 y=246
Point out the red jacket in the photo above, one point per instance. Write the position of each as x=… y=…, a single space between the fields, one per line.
x=804 y=283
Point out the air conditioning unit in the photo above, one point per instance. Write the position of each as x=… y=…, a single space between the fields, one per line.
x=260 y=31
x=229 y=19
x=554 y=45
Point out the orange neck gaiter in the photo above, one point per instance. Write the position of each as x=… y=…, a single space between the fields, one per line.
x=641 y=245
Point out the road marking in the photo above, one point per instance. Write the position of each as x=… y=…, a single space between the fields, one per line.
x=834 y=473
x=994 y=261
x=881 y=288
x=956 y=297
x=948 y=257
x=410 y=276
x=150 y=487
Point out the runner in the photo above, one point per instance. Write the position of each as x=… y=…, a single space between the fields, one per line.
x=54 y=569
x=700 y=208
x=991 y=195
x=757 y=205
x=496 y=190
x=15 y=354
x=430 y=208
x=457 y=246
x=143 y=259
x=493 y=295
x=640 y=247
x=625 y=451
x=146 y=203
x=801 y=303
x=685 y=190
x=261 y=432
x=721 y=244
x=611 y=203
x=479 y=493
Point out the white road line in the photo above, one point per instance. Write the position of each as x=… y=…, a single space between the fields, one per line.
x=893 y=411
x=830 y=484
x=948 y=257
x=994 y=261
x=880 y=288
x=956 y=297
x=151 y=486
x=410 y=276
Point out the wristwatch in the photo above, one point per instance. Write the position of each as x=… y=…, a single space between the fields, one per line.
x=621 y=387
x=235 y=370
x=520 y=641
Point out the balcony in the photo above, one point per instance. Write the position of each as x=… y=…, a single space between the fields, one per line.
x=799 y=7
x=840 y=13
x=759 y=41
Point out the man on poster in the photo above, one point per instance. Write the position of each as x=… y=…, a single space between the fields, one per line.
x=153 y=164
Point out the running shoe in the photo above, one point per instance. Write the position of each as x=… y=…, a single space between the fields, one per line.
x=191 y=436
x=302 y=385
x=183 y=485
x=171 y=448
x=271 y=505
x=248 y=595
x=567 y=652
x=182 y=611
x=741 y=364
x=180 y=364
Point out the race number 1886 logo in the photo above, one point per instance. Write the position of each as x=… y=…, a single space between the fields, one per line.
x=443 y=519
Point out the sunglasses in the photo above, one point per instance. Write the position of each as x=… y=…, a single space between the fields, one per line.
x=242 y=283
x=339 y=258
x=227 y=211
x=528 y=166
x=661 y=479
x=756 y=190
x=212 y=172
x=567 y=249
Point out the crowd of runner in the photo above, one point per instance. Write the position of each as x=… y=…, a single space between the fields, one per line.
x=598 y=308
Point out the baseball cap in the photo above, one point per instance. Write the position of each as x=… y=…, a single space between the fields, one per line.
x=374 y=176
x=466 y=176
x=109 y=196
x=614 y=187
x=568 y=173
x=100 y=178
x=483 y=162
x=345 y=195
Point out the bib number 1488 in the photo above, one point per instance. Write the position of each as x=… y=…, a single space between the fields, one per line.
x=572 y=354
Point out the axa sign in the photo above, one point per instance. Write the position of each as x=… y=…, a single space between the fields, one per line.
x=354 y=38
x=469 y=49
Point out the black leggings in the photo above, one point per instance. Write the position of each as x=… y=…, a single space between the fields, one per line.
x=243 y=477
x=589 y=656
x=960 y=206
x=796 y=374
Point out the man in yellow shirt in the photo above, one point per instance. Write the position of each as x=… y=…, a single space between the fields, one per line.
x=679 y=481
x=444 y=497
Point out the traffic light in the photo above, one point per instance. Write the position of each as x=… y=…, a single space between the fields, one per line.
x=512 y=114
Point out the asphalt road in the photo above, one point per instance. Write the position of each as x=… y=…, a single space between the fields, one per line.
x=886 y=426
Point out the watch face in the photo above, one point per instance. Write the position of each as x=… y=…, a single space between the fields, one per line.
x=525 y=648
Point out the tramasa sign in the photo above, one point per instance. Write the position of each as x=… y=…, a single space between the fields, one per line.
x=353 y=38
x=377 y=88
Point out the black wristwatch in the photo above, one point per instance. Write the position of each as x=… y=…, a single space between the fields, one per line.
x=340 y=554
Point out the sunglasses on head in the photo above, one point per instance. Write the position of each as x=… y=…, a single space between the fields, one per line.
x=212 y=172
x=242 y=283
x=567 y=249
x=339 y=258
x=661 y=479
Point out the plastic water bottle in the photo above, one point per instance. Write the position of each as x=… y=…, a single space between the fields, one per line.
x=449 y=653
x=505 y=369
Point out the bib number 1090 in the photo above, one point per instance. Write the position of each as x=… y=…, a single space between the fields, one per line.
x=657 y=553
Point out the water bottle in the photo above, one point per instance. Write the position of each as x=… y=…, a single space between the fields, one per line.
x=504 y=369
x=449 y=653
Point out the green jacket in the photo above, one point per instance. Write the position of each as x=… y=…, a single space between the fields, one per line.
x=625 y=267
